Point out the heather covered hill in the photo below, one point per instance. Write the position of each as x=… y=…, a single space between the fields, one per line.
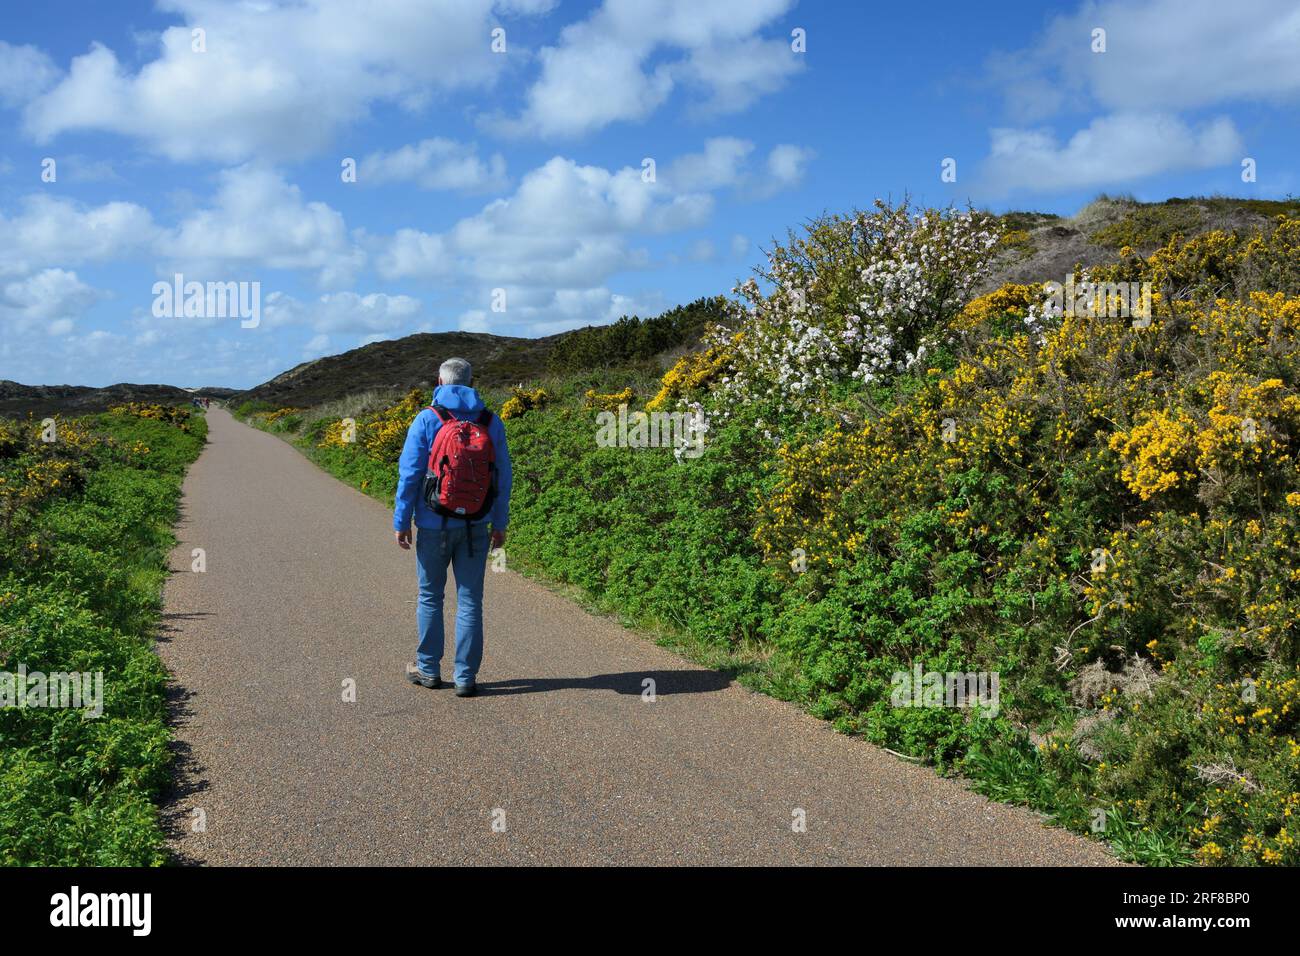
x=17 y=400
x=412 y=362
x=399 y=363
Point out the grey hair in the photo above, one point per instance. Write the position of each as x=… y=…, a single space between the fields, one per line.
x=455 y=371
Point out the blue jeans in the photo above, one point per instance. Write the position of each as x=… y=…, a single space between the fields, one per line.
x=434 y=548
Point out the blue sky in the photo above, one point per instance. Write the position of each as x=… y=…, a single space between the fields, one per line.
x=522 y=170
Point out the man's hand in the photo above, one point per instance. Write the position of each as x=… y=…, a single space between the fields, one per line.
x=404 y=539
x=497 y=539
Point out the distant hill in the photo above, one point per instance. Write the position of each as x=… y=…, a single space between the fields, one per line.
x=497 y=359
x=404 y=363
x=18 y=400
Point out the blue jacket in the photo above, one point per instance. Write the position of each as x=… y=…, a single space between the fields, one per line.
x=464 y=403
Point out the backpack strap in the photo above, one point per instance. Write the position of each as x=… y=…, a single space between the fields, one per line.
x=484 y=417
x=485 y=422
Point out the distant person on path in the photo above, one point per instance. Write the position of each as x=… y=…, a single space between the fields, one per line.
x=454 y=481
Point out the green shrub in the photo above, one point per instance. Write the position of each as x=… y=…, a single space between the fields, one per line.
x=80 y=584
x=632 y=339
x=252 y=407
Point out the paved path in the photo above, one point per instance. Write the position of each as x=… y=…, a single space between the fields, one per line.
x=305 y=589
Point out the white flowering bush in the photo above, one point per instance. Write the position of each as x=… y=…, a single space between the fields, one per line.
x=854 y=300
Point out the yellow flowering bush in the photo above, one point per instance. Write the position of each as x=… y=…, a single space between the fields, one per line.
x=693 y=372
x=1108 y=499
x=383 y=434
x=336 y=434
x=11 y=438
x=178 y=415
x=608 y=401
x=1010 y=299
x=270 y=418
x=1018 y=240
x=1159 y=452
x=379 y=435
x=34 y=471
x=1266 y=261
x=523 y=400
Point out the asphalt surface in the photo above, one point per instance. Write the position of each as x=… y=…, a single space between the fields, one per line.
x=560 y=760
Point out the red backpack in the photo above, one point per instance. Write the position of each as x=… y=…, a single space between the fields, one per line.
x=461 y=481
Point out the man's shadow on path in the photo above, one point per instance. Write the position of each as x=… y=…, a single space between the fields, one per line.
x=188 y=781
x=631 y=683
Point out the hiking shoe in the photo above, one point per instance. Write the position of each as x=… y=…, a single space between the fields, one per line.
x=466 y=690
x=417 y=676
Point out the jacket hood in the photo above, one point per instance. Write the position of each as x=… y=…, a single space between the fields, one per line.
x=460 y=400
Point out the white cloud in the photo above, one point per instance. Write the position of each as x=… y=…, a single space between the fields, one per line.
x=1166 y=62
x=473 y=320
x=435 y=164
x=178 y=355
x=739 y=74
x=49 y=301
x=1111 y=149
x=50 y=231
x=78 y=168
x=277 y=80
x=721 y=163
x=318 y=345
x=414 y=253
x=786 y=164
x=783 y=169
x=1161 y=55
x=566 y=225
x=548 y=311
x=25 y=72
x=703 y=250
x=587 y=85
x=345 y=313
x=725 y=163
x=258 y=220
x=627 y=58
x=567 y=229
x=566 y=309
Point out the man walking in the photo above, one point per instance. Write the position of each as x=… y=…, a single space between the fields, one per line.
x=454 y=481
